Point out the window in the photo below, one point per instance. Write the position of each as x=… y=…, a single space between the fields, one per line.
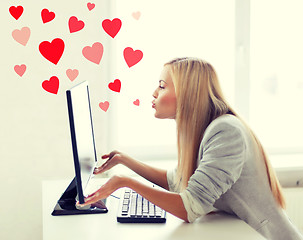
x=165 y=30
x=255 y=47
x=276 y=74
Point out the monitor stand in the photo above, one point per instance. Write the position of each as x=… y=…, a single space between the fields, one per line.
x=66 y=205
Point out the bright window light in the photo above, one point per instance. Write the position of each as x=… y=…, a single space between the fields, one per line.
x=276 y=74
x=165 y=30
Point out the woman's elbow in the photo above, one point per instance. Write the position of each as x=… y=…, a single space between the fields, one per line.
x=184 y=216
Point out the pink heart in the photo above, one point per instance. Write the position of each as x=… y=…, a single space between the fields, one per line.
x=90 y=6
x=22 y=36
x=51 y=85
x=75 y=25
x=115 y=86
x=72 y=74
x=136 y=15
x=137 y=102
x=93 y=53
x=104 y=105
x=20 y=69
x=132 y=57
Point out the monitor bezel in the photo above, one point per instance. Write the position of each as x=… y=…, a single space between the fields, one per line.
x=79 y=184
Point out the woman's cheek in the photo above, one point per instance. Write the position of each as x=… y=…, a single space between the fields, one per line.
x=168 y=99
x=168 y=104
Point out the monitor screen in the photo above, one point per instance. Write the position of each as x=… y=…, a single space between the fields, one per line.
x=82 y=135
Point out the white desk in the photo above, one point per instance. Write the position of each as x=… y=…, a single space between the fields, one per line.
x=105 y=226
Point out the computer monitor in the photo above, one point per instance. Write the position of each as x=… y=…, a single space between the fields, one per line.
x=84 y=153
x=82 y=135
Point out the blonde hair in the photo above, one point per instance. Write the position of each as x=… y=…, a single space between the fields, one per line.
x=199 y=101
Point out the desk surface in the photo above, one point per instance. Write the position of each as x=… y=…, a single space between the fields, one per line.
x=105 y=226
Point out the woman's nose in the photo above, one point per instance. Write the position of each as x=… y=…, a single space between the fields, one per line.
x=155 y=94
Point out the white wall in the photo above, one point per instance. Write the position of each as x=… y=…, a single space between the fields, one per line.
x=34 y=130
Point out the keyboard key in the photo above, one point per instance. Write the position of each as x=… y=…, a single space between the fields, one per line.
x=139 y=210
x=132 y=212
x=151 y=214
x=126 y=195
x=125 y=208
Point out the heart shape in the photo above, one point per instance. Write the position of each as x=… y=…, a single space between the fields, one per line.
x=115 y=86
x=90 y=6
x=47 y=16
x=112 y=27
x=20 y=69
x=137 y=102
x=74 y=24
x=72 y=74
x=52 y=51
x=132 y=57
x=136 y=15
x=16 y=12
x=51 y=85
x=93 y=53
x=104 y=105
x=22 y=36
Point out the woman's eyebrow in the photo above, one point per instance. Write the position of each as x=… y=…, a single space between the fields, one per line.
x=162 y=81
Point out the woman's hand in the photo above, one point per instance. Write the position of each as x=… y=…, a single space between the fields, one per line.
x=105 y=190
x=114 y=158
x=153 y=174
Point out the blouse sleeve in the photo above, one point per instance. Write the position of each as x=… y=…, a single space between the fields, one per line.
x=223 y=153
x=170 y=175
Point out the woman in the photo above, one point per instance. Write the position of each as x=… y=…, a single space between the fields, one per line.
x=221 y=164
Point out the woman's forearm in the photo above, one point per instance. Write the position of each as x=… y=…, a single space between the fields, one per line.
x=153 y=174
x=168 y=201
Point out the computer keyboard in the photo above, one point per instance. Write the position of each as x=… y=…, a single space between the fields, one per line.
x=133 y=208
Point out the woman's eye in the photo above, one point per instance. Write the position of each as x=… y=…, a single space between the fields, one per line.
x=161 y=87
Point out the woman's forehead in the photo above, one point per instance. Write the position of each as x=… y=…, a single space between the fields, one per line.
x=165 y=75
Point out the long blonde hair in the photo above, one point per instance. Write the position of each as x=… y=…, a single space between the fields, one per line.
x=199 y=101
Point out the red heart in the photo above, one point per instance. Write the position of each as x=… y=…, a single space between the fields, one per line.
x=52 y=51
x=51 y=85
x=112 y=27
x=104 y=105
x=137 y=102
x=75 y=25
x=16 y=12
x=90 y=6
x=47 y=16
x=115 y=86
x=132 y=57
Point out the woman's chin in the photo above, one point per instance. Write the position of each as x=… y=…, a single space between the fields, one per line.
x=156 y=115
x=160 y=116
